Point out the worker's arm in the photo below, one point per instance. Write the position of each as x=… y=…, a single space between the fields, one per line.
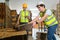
x=43 y=18
x=18 y=19
x=35 y=19
x=48 y=12
x=30 y=17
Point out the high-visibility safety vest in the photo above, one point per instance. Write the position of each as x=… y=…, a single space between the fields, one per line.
x=22 y=16
x=50 y=21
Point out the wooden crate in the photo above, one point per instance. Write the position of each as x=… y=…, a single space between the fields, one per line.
x=13 y=13
x=14 y=19
x=1 y=20
x=8 y=17
x=2 y=10
x=11 y=34
x=14 y=23
x=41 y=36
x=2 y=23
x=5 y=13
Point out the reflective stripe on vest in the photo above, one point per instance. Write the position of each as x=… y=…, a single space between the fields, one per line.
x=51 y=20
x=22 y=16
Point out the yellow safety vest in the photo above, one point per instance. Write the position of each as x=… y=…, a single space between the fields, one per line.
x=50 y=21
x=22 y=16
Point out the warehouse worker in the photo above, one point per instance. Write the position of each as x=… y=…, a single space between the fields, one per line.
x=49 y=20
x=24 y=16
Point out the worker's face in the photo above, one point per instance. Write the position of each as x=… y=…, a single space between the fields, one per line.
x=40 y=8
x=24 y=8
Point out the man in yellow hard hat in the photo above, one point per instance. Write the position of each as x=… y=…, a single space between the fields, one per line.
x=24 y=16
x=49 y=20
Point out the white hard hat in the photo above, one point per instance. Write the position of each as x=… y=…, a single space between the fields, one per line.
x=40 y=3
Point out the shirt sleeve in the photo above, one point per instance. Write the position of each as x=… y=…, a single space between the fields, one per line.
x=49 y=12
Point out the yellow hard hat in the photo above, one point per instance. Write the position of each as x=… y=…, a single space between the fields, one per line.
x=25 y=5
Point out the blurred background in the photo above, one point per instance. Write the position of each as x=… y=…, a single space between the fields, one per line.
x=10 y=9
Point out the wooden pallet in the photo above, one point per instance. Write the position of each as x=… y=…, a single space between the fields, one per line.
x=41 y=36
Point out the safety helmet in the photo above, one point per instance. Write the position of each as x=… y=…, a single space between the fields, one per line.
x=41 y=3
x=38 y=4
x=25 y=5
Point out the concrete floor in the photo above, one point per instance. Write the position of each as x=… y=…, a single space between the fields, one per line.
x=30 y=38
x=57 y=37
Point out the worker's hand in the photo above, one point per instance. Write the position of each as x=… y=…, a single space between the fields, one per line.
x=38 y=21
x=27 y=17
x=32 y=22
x=29 y=22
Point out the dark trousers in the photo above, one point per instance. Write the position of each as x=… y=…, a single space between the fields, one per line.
x=23 y=27
x=51 y=31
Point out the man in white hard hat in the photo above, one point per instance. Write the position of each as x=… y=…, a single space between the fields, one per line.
x=49 y=20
